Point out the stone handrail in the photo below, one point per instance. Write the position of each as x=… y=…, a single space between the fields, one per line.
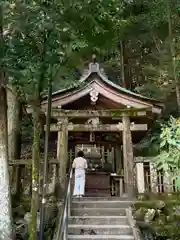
x=136 y=231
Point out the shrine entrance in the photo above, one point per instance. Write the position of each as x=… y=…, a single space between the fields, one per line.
x=104 y=155
x=101 y=164
x=105 y=121
x=107 y=147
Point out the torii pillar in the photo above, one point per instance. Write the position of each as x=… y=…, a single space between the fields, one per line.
x=129 y=175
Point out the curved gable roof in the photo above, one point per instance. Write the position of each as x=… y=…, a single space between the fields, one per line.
x=95 y=69
x=95 y=78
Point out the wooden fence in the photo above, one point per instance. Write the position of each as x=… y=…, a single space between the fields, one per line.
x=162 y=183
x=152 y=180
x=147 y=178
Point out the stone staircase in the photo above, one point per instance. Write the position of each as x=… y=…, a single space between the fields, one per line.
x=99 y=218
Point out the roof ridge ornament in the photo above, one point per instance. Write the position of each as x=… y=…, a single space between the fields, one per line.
x=94 y=58
x=94 y=67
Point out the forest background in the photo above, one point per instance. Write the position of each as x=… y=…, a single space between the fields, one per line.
x=51 y=42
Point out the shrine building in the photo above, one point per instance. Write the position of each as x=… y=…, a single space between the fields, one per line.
x=105 y=121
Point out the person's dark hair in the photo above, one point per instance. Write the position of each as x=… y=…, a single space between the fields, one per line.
x=80 y=154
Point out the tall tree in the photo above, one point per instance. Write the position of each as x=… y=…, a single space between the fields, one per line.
x=5 y=200
x=37 y=41
x=172 y=40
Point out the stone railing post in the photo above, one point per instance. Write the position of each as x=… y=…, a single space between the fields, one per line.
x=167 y=182
x=154 y=178
x=140 y=177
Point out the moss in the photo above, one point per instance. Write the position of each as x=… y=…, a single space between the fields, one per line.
x=58 y=219
x=140 y=213
x=26 y=203
x=129 y=111
x=114 y=112
x=176 y=217
x=35 y=173
x=170 y=230
x=144 y=204
x=164 y=196
x=167 y=220
x=170 y=204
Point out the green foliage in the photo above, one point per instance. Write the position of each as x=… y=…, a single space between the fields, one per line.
x=169 y=157
x=76 y=30
x=149 y=146
x=165 y=223
x=53 y=40
x=33 y=49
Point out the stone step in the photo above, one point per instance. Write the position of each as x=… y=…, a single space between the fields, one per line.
x=96 y=198
x=101 y=204
x=98 y=212
x=102 y=237
x=76 y=229
x=96 y=193
x=98 y=220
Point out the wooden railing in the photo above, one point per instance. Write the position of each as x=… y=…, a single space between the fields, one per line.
x=161 y=183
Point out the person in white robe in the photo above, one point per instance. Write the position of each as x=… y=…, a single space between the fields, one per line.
x=80 y=166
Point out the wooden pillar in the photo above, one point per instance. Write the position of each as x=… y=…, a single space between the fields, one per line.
x=108 y=155
x=62 y=150
x=53 y=179
x=103 y=156
x=140 y=177
x=113 y=159
x=128 y=157
x=119 y=165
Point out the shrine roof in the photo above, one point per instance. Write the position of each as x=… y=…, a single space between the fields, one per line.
x=94 y=81
x=94 y=68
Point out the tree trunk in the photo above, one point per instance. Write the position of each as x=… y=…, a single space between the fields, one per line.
x=5 y=200
x=35 y=173
x=173 y=58
x=14 y=134
x=36 y=144
x=123 y=81
x=14 y=124
x=6 y=232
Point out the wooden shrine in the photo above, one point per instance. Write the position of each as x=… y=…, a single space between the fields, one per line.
x=105 y=121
